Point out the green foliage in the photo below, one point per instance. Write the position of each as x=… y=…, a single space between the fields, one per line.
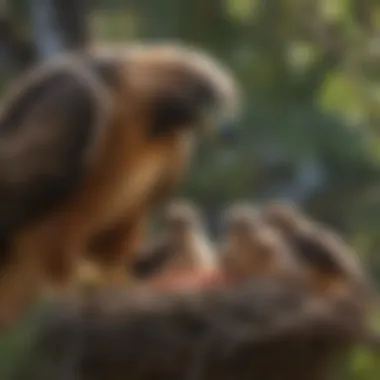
x=16 y=346
x=364 y=365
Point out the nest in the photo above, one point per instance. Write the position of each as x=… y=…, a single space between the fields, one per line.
x=263 y=329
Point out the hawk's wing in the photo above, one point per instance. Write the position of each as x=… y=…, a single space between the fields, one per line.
x=49 y=127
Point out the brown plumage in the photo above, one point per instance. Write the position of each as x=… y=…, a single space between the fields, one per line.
x=88 y=145
x=333 y=266
x=251 y=248
x=184 y=247
x=284 y=216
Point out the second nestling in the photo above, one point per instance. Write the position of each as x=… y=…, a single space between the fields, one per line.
x=250 y=248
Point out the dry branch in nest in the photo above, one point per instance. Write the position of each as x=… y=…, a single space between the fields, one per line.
x=263 y=330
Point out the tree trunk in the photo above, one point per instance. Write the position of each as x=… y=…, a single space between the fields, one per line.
x=59 y=25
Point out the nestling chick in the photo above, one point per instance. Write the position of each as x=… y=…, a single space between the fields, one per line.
x=284 y=216
x=252 y=248
x=332 y=265
x=184 y=247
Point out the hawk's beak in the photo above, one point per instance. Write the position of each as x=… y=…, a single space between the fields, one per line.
x=226 y=133
x=220 y=125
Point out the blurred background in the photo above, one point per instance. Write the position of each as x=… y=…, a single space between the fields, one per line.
x=310 y=72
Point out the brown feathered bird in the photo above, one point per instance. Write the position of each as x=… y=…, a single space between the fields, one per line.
x=89 y=143
x=332 y=265
x=252 y=248
x=183 y=252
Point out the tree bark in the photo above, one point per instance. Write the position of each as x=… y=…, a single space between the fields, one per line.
x=59 y=25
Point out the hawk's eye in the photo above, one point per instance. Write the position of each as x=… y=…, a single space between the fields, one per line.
x=189 y=102
x=170 y=114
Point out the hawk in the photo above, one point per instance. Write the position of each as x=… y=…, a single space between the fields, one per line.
x=89 y=144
